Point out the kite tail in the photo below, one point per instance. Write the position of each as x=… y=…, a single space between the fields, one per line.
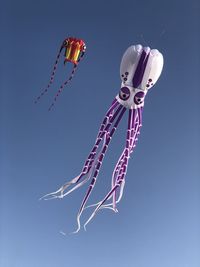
x=52 y=76
x=66 y=82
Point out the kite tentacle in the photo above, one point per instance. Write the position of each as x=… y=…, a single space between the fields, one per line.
x=60 y=193
x=100 y=135
x=119 y=165
x=135 y=131
x=89 y=164
x=77 y=185
x=120 y=179
x=107 y=122
x=98 y=166
x=52 y=76
x=67 y=81
x=110 y=193
x=122 y=158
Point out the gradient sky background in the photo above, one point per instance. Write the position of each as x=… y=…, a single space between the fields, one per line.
x=158 y=220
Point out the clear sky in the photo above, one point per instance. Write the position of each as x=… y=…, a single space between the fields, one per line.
x=158 y=220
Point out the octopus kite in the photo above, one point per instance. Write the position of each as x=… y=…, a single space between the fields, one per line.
x=140 y=69
x=74 y=52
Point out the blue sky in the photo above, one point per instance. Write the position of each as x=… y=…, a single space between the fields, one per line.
x=158 y=220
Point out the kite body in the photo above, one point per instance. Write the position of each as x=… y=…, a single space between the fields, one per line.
x=73 y=49
x=74 y=52
x=139 y=71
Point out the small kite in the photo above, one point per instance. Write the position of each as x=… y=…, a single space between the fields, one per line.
x=74 y=52
x=140 y=69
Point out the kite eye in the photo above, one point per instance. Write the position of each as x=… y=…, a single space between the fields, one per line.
x=124 y=93
x=139 y=98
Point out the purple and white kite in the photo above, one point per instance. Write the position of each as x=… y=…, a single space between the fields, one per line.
x=140 y=69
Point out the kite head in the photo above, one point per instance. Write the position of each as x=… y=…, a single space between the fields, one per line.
x=139 y=71
x=74 y=49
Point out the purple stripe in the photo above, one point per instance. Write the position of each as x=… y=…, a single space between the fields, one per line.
x=138 y=76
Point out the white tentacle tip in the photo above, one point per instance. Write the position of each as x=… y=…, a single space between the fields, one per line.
x=62 y=233
x=50 y=197
x=46 y=197
x=76 y=232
